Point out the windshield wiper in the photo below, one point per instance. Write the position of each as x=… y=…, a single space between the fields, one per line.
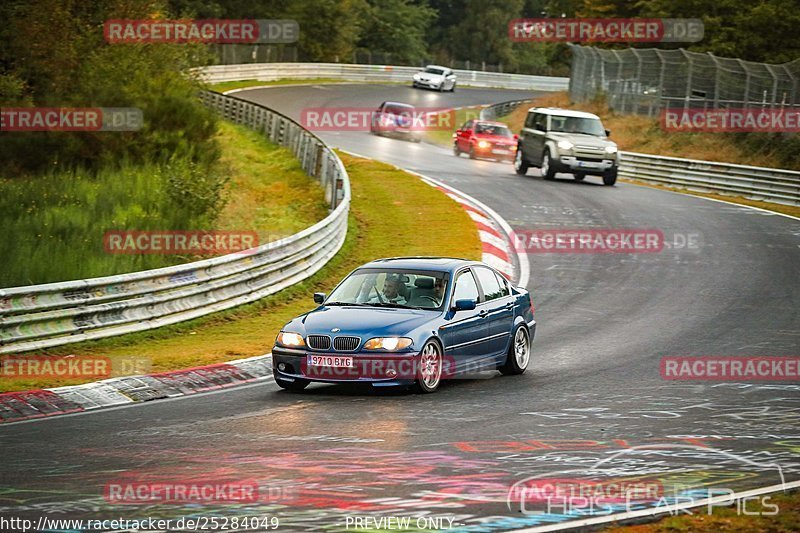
x=394 y=305
x=341 y=303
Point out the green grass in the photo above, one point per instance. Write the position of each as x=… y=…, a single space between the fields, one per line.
x=726 y=519
x=268 y=191
x=392 y=213
x=54 y=224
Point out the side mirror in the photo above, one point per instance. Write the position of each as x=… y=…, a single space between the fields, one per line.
x=465 y=305
x=319 y=297
x=458 y=132
x=516 y=137
x=608 y=133
x=468 y=132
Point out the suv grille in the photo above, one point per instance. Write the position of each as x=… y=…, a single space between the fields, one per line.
x=319 y=342
x=346 y=344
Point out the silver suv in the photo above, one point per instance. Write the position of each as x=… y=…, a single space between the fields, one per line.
x=561 y=140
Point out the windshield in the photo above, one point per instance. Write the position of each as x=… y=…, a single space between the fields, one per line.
x=398 y=109
x=391 y=288
x=589 y=126
x=431 y=70
x=493 y=129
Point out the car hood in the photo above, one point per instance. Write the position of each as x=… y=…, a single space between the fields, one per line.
x=362 y=321
x=583 y=139
x=495 y=138
x=430 y=77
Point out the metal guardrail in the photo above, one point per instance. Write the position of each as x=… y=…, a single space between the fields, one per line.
x=756 y=183
x=41 y=316
x=495 y=111
x=374 y=73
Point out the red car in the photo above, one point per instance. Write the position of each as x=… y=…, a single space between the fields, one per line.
x=482 y=138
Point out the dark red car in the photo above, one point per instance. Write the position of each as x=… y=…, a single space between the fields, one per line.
x=482 y=138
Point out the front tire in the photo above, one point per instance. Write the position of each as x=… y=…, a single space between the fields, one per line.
x=292 y=386
x=519 y=353
x=548 y=172
x=453 y=88
x=520 y=165
x=456 y=150
x=610 y=177
x=579 y=176
x=429 y=374
x=472 y=152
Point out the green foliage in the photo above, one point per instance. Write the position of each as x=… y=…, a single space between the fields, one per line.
x=397 y=27
x=55 y=55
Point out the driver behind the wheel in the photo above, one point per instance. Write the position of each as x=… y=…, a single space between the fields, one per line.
x=391 y=292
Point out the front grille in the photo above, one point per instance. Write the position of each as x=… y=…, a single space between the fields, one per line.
x=319 y=342
x=346 y=344
x=591 y=159
x=589 y=152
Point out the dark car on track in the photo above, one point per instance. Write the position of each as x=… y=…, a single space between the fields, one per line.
x=411 y=321
x=395 y=119
x=486 y=139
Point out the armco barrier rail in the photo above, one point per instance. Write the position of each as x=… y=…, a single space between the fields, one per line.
x=756 y=183
x=380 y=73
x=42 y=316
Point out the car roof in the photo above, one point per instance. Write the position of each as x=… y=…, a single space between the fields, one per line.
x=441 y=264
x=437 y=66
x=492 y=122
x=563 y=112
x=397 y=104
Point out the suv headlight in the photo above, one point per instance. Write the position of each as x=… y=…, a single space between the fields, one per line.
x=611 y=149
x=389 y=344
x=290 y=339
x=565 y=145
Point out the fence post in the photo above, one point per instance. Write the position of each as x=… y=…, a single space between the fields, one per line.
x=746 y=97
x=688 y=94
x=661 y=97
x=717 y=71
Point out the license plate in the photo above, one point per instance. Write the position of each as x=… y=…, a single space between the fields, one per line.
x=500 y=151
x=587 y=164
x=334 y=361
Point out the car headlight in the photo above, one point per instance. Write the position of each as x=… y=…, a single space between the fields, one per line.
x=565 y=145
x=290 y=339
x=483 y=144
x=611 y=149
x=389 y=344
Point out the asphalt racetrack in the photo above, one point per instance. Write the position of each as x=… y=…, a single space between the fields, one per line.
x=593 y=404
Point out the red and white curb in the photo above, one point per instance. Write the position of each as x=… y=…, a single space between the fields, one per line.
x=113 y=392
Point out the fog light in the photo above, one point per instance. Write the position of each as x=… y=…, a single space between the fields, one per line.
x=281 y=366
x=391 y=373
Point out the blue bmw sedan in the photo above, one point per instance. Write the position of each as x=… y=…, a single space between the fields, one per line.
x=408 y=321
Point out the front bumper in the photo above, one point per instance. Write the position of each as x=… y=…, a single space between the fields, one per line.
x=495 y=151
x=570 y=163
x=379 y=369
x=428 y=84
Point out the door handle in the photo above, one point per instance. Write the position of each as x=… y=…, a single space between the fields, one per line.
x=510 y=305
x=482 y=313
